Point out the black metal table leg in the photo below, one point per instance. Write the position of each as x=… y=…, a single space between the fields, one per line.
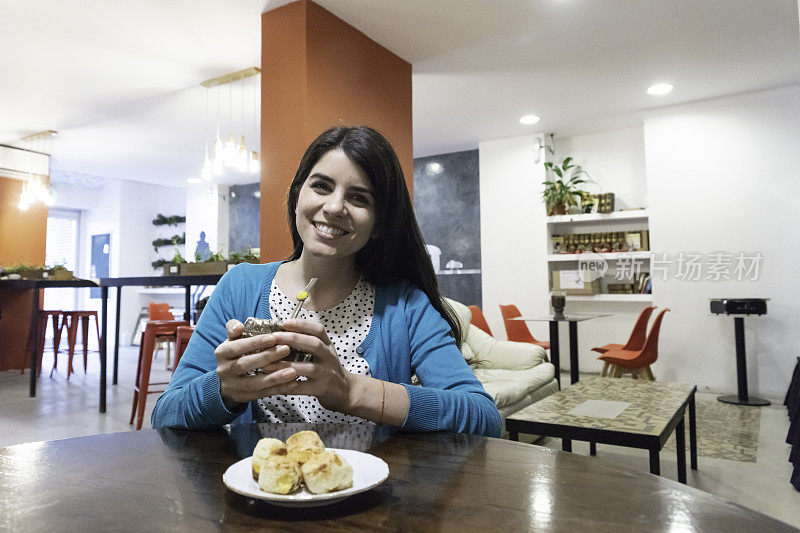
x=566 y=444
x=692 y=434
x=116 y=337
x=187 y=311
x=33 y=342
x=555 y=355
x=680 y=446
x=742 y=397
x=103 y=350
x=573 y=352
x=513 y=435
x=655 y=464
x=592 y=448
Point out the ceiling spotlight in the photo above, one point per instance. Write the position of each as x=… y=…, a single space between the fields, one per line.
x=659 y=88
x=529 y=119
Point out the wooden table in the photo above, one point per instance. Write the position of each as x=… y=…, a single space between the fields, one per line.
x=555 y=354
x=654 y=410
x=139 y=281
x=171 y=480
x=33 y=333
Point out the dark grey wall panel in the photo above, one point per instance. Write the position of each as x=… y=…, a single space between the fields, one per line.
x=244 y=231
x=447 y=205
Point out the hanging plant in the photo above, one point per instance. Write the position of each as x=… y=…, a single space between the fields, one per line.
x=162 y=220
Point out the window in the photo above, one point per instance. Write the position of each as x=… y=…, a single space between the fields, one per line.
x=61 y=248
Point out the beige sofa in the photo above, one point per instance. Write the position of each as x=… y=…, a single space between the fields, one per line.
x=514 y=373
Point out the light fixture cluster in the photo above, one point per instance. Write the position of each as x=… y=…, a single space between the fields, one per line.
x=35 y=189
x=232 y=150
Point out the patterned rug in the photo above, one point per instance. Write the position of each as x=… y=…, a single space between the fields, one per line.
x=724 y=431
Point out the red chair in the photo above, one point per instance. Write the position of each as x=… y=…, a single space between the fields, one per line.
x=142 y=385
x=72 y=335
x=636 y=362
x=184 y=333
x=479 y=320
x=58 y=328
x=161 y=312
x=516 y=330
x=635 y=342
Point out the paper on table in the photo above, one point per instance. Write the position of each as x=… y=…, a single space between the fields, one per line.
x=599 y=409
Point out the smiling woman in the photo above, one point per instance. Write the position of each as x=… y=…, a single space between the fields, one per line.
x=374 y=318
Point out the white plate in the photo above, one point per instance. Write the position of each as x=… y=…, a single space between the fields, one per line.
x=368 y=472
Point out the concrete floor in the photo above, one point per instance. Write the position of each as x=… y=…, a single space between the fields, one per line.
x=64 y=409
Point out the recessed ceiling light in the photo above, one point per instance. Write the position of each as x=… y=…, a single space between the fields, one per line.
x=529 y=119
x=659 y=89
x=194 y=180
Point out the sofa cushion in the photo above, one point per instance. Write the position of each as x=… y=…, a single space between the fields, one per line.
x=511 y=386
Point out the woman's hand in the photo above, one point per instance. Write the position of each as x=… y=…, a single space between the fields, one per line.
x=236 y=385
x=326 y=379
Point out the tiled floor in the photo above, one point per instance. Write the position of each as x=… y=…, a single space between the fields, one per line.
x=69 y=409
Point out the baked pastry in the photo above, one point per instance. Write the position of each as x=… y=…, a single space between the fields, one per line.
x=304 y=445
x=326 y=472
x=279 y=475
x=266 y=448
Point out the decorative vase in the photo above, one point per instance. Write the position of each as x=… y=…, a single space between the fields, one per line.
x=558 y=300
x=558 y=209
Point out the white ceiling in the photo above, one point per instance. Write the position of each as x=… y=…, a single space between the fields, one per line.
x=120 y=79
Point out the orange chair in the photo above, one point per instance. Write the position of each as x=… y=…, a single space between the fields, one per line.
x=636 y=362
x=516 y=330
x=635 y=342
x=479 y=320
x=142 y=385
x=161 y=312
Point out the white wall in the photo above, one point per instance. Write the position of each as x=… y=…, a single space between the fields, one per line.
x=614 y=160
x=513 y=234
x=207 y=210
x=722 y=176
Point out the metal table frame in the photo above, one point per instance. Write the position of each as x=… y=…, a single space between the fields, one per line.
x=33 y=336
x=139 y=281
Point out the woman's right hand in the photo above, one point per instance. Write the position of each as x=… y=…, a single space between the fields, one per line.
x=236 y=385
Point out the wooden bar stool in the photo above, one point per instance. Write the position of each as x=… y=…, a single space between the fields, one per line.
x=181 y=342
x=72 y=335
x=161 y=312
x=58 y=327
x=142 y=385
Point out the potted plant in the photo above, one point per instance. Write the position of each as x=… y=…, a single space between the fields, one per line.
x=561 y=189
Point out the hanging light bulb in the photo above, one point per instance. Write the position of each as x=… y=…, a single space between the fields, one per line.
x=255 y=164
x=217 y=166
x=218 y=150
x=207 y=171
x=241 y=156
x=230 y=151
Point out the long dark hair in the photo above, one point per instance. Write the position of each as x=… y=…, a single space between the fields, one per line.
x=398 y=251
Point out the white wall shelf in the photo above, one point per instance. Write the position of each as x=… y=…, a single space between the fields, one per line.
x=644 y=298
x=613 y=256
x=636 y=214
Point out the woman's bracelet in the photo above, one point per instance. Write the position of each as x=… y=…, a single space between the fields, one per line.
x=383 y=400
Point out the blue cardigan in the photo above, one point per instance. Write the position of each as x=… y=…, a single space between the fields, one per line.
x=407 y=336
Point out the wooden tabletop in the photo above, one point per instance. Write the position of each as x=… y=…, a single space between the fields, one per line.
x=171 y=480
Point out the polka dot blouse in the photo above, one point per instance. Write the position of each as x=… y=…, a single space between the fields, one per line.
x=347 y=326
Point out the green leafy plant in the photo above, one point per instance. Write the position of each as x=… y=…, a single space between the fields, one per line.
x=244 y=257
x=174 y=240
x=215 y=256
x=562 y=189
x=197 y=258
x=174 y=220
x=159 y=263
x=20 y=268
x=177 y=259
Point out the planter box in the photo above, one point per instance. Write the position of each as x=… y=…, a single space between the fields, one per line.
x=33 y=274
x=215 y=267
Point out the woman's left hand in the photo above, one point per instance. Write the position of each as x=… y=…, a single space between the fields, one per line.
x=326 y=379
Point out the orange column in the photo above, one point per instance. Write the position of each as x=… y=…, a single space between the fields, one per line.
x=318 y=72
x=22 y=240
